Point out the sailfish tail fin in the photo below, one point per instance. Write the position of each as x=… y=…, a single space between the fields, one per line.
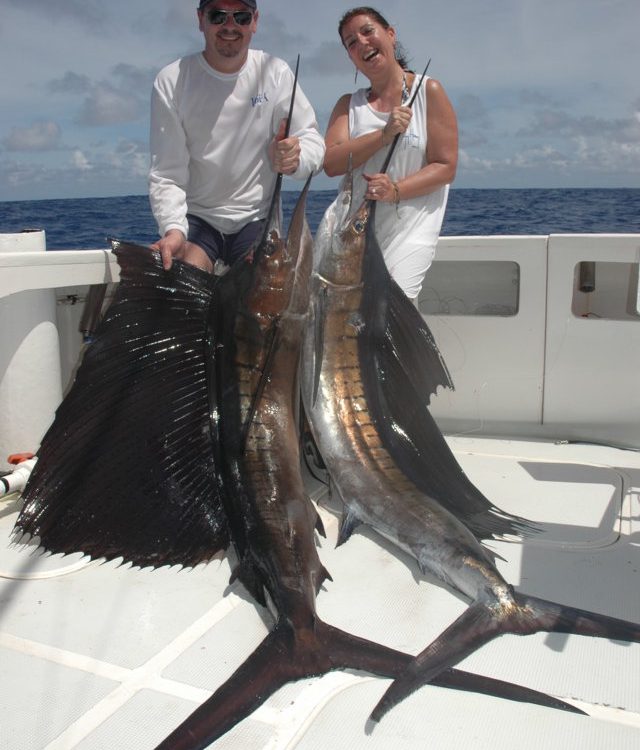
x=483 y=621
x=286 y=655
x=283 y=656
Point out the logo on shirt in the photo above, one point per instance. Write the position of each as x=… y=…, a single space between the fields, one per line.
x=259 y=99
x=410 y=140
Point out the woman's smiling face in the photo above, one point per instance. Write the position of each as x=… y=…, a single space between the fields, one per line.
x=368 y=43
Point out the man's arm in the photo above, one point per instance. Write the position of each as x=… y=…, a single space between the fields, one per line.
x=169 y=169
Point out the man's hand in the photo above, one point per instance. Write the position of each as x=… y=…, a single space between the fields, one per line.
x=284 y=152
x=171 y=246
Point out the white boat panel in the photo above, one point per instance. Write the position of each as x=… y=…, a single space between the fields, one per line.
x=496 y=362
x=592 y=363
x=56 y=268
x=546 y=370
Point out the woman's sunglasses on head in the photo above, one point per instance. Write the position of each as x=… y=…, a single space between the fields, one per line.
x=240 y=17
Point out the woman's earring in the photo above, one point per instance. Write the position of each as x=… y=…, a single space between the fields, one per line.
x=355 y=78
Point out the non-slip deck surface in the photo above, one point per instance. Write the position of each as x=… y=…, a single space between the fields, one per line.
x=100 y=656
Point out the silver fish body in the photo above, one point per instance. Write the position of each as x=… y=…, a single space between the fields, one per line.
x=366 y=476
x=370 y=367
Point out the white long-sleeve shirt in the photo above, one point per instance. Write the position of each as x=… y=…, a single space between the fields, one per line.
x=210 y=134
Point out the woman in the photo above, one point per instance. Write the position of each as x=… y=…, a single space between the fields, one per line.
x=413 y=192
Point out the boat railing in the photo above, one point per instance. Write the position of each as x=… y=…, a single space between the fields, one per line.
x=540 y=333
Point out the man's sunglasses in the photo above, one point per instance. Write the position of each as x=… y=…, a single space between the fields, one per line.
x=240 y=17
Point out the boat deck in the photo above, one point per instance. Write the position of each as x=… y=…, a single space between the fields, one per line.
x=97 y=656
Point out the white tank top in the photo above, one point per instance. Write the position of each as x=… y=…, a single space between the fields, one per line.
x=407 y=233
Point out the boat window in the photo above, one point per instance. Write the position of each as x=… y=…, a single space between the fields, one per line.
x=471 y=288
x=606 y=290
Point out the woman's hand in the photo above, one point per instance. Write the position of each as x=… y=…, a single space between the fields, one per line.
x=397 y=124
x=381 y=188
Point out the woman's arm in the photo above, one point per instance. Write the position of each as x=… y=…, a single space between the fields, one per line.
x=339 y=146
x=442 y=154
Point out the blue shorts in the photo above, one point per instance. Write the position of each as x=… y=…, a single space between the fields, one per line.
x=226 y=247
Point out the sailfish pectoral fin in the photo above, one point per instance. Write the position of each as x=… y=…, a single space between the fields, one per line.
x=348 y=525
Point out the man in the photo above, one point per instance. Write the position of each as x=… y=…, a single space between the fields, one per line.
x=217 y=140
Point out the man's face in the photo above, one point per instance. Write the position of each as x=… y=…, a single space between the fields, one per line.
x=228 y=39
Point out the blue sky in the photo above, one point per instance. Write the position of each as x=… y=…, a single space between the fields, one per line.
x=547 y=92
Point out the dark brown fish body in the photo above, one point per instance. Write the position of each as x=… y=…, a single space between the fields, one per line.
x=274 y=521
x=370 y=367
x=271 y=518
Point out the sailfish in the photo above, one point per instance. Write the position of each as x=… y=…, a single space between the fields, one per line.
x=178 y=439
x=371 y=366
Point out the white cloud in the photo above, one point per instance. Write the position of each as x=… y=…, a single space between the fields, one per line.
x=41 y=136
x=546 y=156
x=99 y=170
x=80 y=161
x=555 y=121
x=70 y=83
x=132 y=157
x=106 y=105
x=471 y=163
x=545 y=90
x=120 y=97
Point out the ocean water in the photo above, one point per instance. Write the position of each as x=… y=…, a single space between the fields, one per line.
x=88 y=222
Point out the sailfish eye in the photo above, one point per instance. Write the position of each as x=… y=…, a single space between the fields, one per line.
x=359 y=226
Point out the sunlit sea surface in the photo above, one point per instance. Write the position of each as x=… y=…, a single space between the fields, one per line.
x=88 y=222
